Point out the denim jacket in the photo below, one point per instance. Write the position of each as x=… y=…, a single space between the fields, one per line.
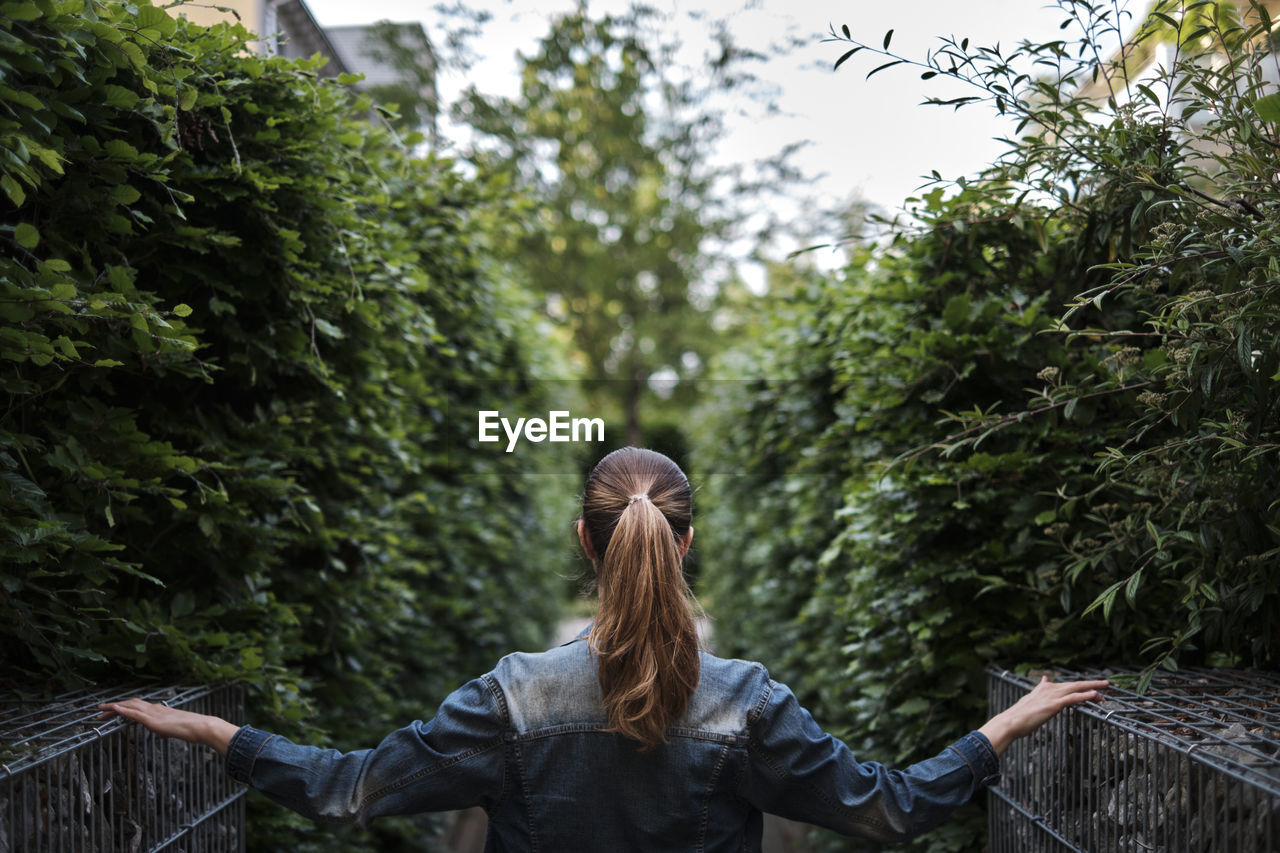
x=527 y=742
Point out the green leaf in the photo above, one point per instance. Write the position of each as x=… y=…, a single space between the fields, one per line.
x=1268 y=107
x=28 y=11
x=26 y=235
x=1244 y=349
x=182 y=309
x=1131 y=588
x=151 y=17
x=956 y=313
x=65 y=346
x=21 y=489
x=135 y=54
x=1104 y=600
x=1155 y=534
x=880 y=68
x=119 y=96
x=1144 y=681
x=888 y=37
x=13 y=190
x=125 y=194
x=845 y=56
x=120 y=150
x=18 y=96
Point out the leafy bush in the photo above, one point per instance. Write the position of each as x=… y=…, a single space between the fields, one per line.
x=236 y=328
x=1040 y=425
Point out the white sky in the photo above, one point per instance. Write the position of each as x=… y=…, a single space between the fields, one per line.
x=868 y=138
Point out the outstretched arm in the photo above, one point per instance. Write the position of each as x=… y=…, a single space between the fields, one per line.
x=1036 y=708
x=796 y=770
x=453 y=761
x=164 y=721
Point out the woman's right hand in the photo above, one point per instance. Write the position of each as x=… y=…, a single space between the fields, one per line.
x=164 y=721
x=1036 y=708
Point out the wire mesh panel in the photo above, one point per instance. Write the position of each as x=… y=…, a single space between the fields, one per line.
x=70 y=782
x=1193 y=764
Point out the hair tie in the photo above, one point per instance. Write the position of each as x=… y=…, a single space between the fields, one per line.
x=635 y=498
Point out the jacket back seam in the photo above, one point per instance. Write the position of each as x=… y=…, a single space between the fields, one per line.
x=528 y=797
x=701 y=845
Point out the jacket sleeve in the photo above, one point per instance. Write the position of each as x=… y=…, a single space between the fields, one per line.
x=454 y=761
x=796 y=770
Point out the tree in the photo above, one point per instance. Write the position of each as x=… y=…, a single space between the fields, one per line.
x=612 y=149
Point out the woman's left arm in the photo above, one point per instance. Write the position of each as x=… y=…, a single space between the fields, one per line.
x=1036 y=708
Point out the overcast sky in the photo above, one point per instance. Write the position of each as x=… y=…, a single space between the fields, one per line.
x=871 y=139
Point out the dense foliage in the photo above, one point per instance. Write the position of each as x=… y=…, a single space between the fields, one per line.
x=237 y=326
x=1040 y=426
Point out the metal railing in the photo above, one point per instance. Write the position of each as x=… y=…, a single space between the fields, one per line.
x=1193 y=764
x=71 y=782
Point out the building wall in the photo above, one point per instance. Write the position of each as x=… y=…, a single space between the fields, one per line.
x=286 y=27
x=252 y=13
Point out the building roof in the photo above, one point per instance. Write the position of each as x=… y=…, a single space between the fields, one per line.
x=305 y=36
x=364 y=50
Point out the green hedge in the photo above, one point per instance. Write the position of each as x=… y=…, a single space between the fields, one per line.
x=1039 y=427
x=234 y=324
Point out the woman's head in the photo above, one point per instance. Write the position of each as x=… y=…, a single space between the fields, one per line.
x=636 y=514
x=613 y=488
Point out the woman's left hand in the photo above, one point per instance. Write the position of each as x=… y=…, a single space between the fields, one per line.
x=1036 y=708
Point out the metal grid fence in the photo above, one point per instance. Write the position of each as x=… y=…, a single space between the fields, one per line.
x=1193 y=764
x=71 y=782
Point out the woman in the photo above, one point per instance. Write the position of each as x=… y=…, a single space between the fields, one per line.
x=629 y=737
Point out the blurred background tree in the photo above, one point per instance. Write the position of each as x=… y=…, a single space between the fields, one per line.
x=611 y=141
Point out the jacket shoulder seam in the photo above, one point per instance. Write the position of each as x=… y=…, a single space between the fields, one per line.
x=753 y=716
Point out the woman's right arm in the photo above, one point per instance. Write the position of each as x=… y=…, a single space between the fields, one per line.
x=213 y=732
x=797 y=770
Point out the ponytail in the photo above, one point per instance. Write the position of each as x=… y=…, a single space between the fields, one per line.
x=637 y=513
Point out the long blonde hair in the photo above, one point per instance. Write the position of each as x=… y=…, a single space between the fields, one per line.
x=637 y=507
